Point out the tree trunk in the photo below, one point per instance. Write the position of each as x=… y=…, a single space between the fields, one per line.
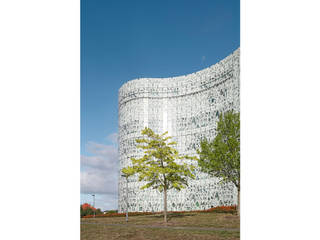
x=238 y=207
x=165 y=204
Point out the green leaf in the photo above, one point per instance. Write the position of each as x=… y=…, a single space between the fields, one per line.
x=158 y=166
x=221 y=157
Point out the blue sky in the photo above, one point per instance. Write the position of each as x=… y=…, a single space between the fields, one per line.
x=123 y=40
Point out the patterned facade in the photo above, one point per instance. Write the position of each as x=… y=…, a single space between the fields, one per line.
x=188 y=107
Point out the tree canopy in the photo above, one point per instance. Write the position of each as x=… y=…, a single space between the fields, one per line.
x=86 y=209
x=221 y=157
x=159 y=166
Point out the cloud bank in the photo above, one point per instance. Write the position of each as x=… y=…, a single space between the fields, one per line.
x=99 y=172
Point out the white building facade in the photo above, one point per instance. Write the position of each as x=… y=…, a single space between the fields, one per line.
x=188 y=107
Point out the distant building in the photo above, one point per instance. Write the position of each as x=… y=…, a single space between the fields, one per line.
x=188 y=107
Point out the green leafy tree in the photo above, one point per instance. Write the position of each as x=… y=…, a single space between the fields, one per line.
x=221 y=157
x=158 y=167
x=98 y=211
x=86 y=209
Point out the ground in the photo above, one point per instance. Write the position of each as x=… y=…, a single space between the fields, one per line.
x=184 y=226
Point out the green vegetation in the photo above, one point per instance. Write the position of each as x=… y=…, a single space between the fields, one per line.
x=221 y=157
x=111 y=211
x=158 y=166
x=86 y=210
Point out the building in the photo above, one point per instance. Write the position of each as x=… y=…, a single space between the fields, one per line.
x=188 y=107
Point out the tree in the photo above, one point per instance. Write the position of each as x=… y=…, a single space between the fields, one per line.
x=221 y=157
x=86 y=209
x=158 y=166
x=98 y=211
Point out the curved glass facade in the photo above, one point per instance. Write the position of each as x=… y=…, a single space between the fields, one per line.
x=188 y=107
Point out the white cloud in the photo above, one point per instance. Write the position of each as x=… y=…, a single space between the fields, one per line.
x=203 y=58
x=107 y=202
x=99 y=172
x=99 y=181
x=104 y=156
x=113 y=138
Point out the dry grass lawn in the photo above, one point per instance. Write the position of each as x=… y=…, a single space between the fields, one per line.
x=228 y=224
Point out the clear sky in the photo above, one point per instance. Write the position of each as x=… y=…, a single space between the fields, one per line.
x=123 y=40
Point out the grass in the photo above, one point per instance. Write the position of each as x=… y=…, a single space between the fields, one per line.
x=96 y=228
